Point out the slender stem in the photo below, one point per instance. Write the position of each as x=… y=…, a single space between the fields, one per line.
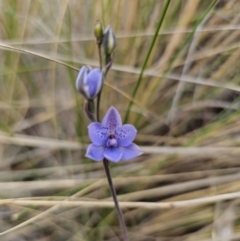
x=100 y=56
x=89 y=110
x=105 y=161
x=114 y=195
x=98 y=105
x=100 y=93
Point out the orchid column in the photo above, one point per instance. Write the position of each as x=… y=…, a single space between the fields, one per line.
x=111 y=140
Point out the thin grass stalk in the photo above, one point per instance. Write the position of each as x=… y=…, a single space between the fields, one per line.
x=147 y=58
x=188 y=38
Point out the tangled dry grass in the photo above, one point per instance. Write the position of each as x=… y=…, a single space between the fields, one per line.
x=186 y=110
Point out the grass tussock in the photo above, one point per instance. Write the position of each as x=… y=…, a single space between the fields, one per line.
x=180 y=90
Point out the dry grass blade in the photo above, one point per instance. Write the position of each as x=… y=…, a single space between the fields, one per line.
x=148 y=205
x=50 y=210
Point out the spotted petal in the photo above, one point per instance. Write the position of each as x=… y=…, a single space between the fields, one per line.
x=125 y=135
x=112 y=120
x=98 y=134
x=95 y=152
x=113 y=154
x=130 y=152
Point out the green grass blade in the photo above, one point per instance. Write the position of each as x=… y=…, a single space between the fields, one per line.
x=147 y=58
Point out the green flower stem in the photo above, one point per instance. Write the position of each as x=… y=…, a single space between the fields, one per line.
x=98 y=105
x=99 y=96
x=100 y=56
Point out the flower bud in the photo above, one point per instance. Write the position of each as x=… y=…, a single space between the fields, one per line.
x=98 y=31
x=89 y=82
x=109 y=41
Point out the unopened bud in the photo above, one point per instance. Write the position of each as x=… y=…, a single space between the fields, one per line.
x=89 y=82
x=98 y=31
x=109 y=41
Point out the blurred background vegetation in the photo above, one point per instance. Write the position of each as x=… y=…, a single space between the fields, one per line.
x=186 y=110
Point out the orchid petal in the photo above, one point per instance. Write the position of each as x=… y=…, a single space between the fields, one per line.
x=130 y=152
x=81 y=79
x=94 y=82
x=97 y=134
x=112 y=154
x=125 y=135
x=112 y=120
x=95 y=152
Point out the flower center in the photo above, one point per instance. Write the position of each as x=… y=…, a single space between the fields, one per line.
x=111 y=142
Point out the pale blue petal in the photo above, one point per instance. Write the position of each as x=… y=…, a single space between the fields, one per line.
x=97 y=134
x=113 y=154
x=125 y=135
x=94 y=82
x=95 y=152
x=130 y=152
x=81 y=79
x=112 y=120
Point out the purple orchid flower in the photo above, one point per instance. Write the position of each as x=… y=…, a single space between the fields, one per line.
x=112 y=140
